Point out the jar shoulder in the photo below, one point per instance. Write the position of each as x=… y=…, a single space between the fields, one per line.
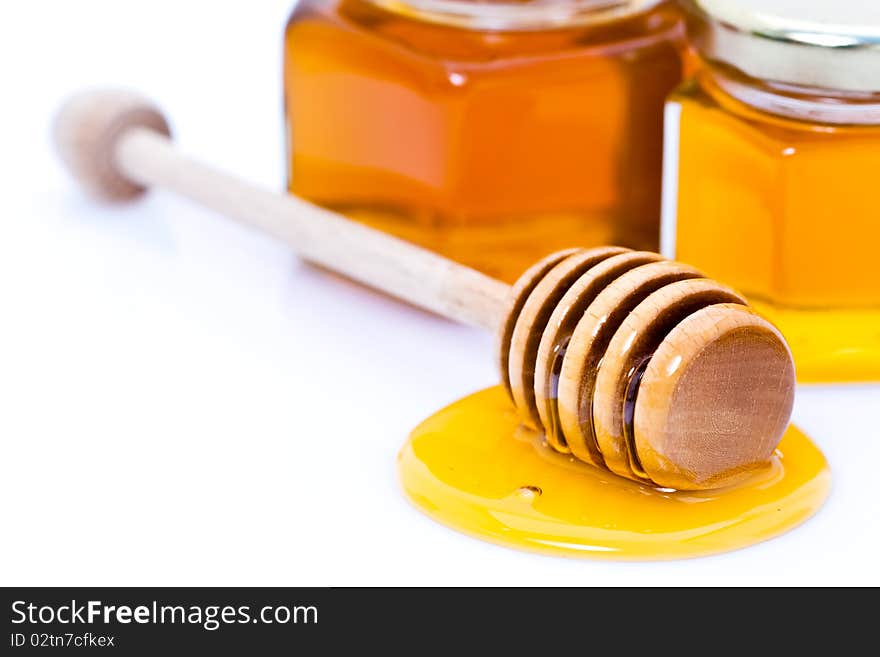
x=661 y=29
x=704 y=100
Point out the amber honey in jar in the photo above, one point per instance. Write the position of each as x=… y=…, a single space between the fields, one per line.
x=773 y=170
x=493 y=132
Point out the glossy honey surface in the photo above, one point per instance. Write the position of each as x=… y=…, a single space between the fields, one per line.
x=474 y=468
x=788 y=212
x=492 y=147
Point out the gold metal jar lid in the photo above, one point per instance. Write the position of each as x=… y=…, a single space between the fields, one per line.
x=830 y=44
x=517 y=15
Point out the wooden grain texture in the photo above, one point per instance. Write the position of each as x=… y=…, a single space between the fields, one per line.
x=589 y=341
x=519 y=292
x=532 y=321
x=555 y=338
x=715 y=399
x=639 y=335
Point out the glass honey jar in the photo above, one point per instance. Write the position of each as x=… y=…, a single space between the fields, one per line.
x=772 y=171
x=493 y=132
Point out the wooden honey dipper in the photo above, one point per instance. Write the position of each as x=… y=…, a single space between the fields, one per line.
x=626 y=360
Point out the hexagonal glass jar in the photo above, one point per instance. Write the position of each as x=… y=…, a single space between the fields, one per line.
x=492 y=132
x=772 y=186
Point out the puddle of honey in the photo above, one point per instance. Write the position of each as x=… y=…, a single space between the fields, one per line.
x=474 y=468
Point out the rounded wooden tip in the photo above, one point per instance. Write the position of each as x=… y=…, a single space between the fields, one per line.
x=714 y=400
x=631 y=349
x=643 y=367
x=85 y=133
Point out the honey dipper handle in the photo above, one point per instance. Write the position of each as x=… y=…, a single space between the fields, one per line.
x=366 y=255
x=117 y=143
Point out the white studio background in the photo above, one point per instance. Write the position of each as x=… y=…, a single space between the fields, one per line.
x=182 y=402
